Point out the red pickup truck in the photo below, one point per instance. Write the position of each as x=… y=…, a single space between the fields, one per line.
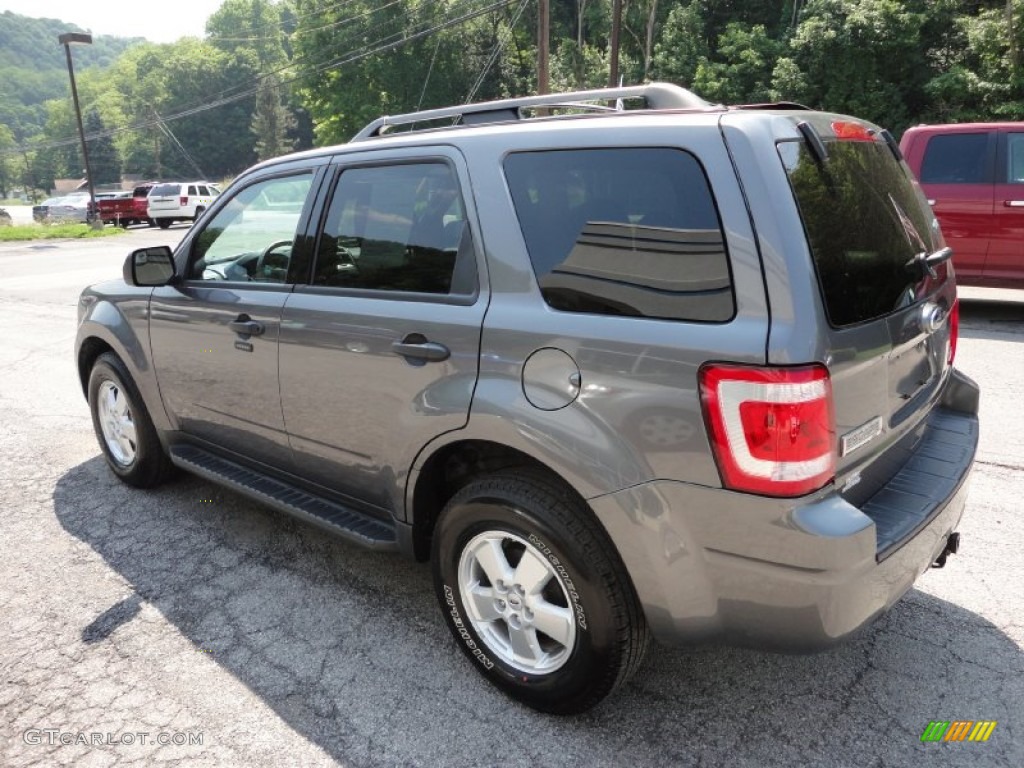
x=127 y=208
x=973 y=177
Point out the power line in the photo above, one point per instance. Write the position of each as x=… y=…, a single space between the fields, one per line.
x=498 y=47
x=347 y=58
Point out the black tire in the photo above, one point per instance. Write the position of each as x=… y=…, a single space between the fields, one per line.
x=163 y=223
x=149 y=466
x=198 y=213
x=540 y=512
x=150 y=222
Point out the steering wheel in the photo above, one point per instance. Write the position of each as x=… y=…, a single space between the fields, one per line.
x=263 y=263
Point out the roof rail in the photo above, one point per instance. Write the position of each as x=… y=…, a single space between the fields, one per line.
x=657 y=96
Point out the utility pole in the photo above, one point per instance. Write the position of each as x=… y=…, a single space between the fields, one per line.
x=67 y=39
x=543 y=44
x=613 y=73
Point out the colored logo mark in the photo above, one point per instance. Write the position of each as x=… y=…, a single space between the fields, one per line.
x=958 y=730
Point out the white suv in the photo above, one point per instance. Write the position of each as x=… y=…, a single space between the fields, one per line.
x=180 y=201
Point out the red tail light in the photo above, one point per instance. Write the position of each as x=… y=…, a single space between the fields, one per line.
x=772 y=429
x=954 y=329
x=184 y=200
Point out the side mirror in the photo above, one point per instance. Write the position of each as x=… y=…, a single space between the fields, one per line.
x=149 y=267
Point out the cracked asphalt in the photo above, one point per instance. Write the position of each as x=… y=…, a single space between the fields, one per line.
x=190 y=611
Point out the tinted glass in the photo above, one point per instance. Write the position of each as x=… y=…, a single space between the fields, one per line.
x=629 y=232
x=956 y=158
x=864 y=221
x=192 y=190
x=166 y=190
x=250 y=239
x=397 y=228
x=203 y=190
x=1015 y=158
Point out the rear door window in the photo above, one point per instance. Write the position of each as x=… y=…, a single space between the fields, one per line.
x=864 y=221
x=957 y=158
x=192 y=190
x=630 y=231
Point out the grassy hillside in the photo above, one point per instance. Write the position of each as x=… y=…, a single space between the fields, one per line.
x=33 y=68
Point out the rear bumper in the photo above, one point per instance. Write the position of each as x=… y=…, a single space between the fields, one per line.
x=793 y=574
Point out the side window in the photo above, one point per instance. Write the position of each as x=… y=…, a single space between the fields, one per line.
x=629 y=232
x=204 y=191
x=957 y=158
x=192 y=190
x=397 y=228
x=1015 y=158
x=250 y=238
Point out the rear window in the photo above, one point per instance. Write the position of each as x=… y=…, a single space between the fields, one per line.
x=864 y=221
x=165 y=190
x=630 y=231
x=957 y=158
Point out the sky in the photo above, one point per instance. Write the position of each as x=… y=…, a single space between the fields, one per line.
x=163 y=21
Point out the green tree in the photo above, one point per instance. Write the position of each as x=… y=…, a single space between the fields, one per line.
x=103 y=158
x=743 y=74
x=272 y=123
x=683 y=45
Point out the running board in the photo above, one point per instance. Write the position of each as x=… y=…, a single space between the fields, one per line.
x=329 y=515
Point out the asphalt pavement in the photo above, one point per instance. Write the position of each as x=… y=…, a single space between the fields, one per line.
x=240 y=637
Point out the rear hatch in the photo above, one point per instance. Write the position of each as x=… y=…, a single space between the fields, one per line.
x=889 y=299
x=165 y=198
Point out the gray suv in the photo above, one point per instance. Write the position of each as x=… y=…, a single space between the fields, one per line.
x=619 y=363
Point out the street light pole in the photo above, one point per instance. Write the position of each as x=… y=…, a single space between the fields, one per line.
x=66 y=40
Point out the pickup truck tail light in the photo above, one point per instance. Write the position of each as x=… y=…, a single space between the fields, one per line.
x=772 y=430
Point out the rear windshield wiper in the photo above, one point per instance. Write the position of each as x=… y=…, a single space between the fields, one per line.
x=924 y=263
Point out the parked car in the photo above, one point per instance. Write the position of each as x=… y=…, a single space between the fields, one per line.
x=973 y=176
x=63 y=210
x=39 y=212
x=683 y=371
x=179 y=201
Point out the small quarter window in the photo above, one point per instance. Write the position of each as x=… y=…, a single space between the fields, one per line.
x=630 y=232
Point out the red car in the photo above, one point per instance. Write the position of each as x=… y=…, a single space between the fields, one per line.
x=973 y=177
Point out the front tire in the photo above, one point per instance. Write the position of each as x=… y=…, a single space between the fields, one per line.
x=123 y=427
x=535 y=594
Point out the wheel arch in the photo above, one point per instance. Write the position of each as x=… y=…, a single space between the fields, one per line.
x=109 y=327
x=450 y=467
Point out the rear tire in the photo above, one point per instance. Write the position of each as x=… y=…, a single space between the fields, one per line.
x=163 y=223
x=535 y=593
x=123 y=427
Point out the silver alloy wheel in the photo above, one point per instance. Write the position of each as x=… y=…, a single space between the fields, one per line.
x=116 y=423
x=522 y=612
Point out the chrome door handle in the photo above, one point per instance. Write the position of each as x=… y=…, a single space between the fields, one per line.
x=1014 y=203
x=245 y=327
x=429 y=351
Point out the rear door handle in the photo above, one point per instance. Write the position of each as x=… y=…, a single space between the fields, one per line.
x=245 y=327
x=1014 y=203
x=412 y=347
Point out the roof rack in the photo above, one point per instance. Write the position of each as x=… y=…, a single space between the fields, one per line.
x=656 y=95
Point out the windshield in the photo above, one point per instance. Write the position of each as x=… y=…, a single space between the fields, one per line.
x=864 y=221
